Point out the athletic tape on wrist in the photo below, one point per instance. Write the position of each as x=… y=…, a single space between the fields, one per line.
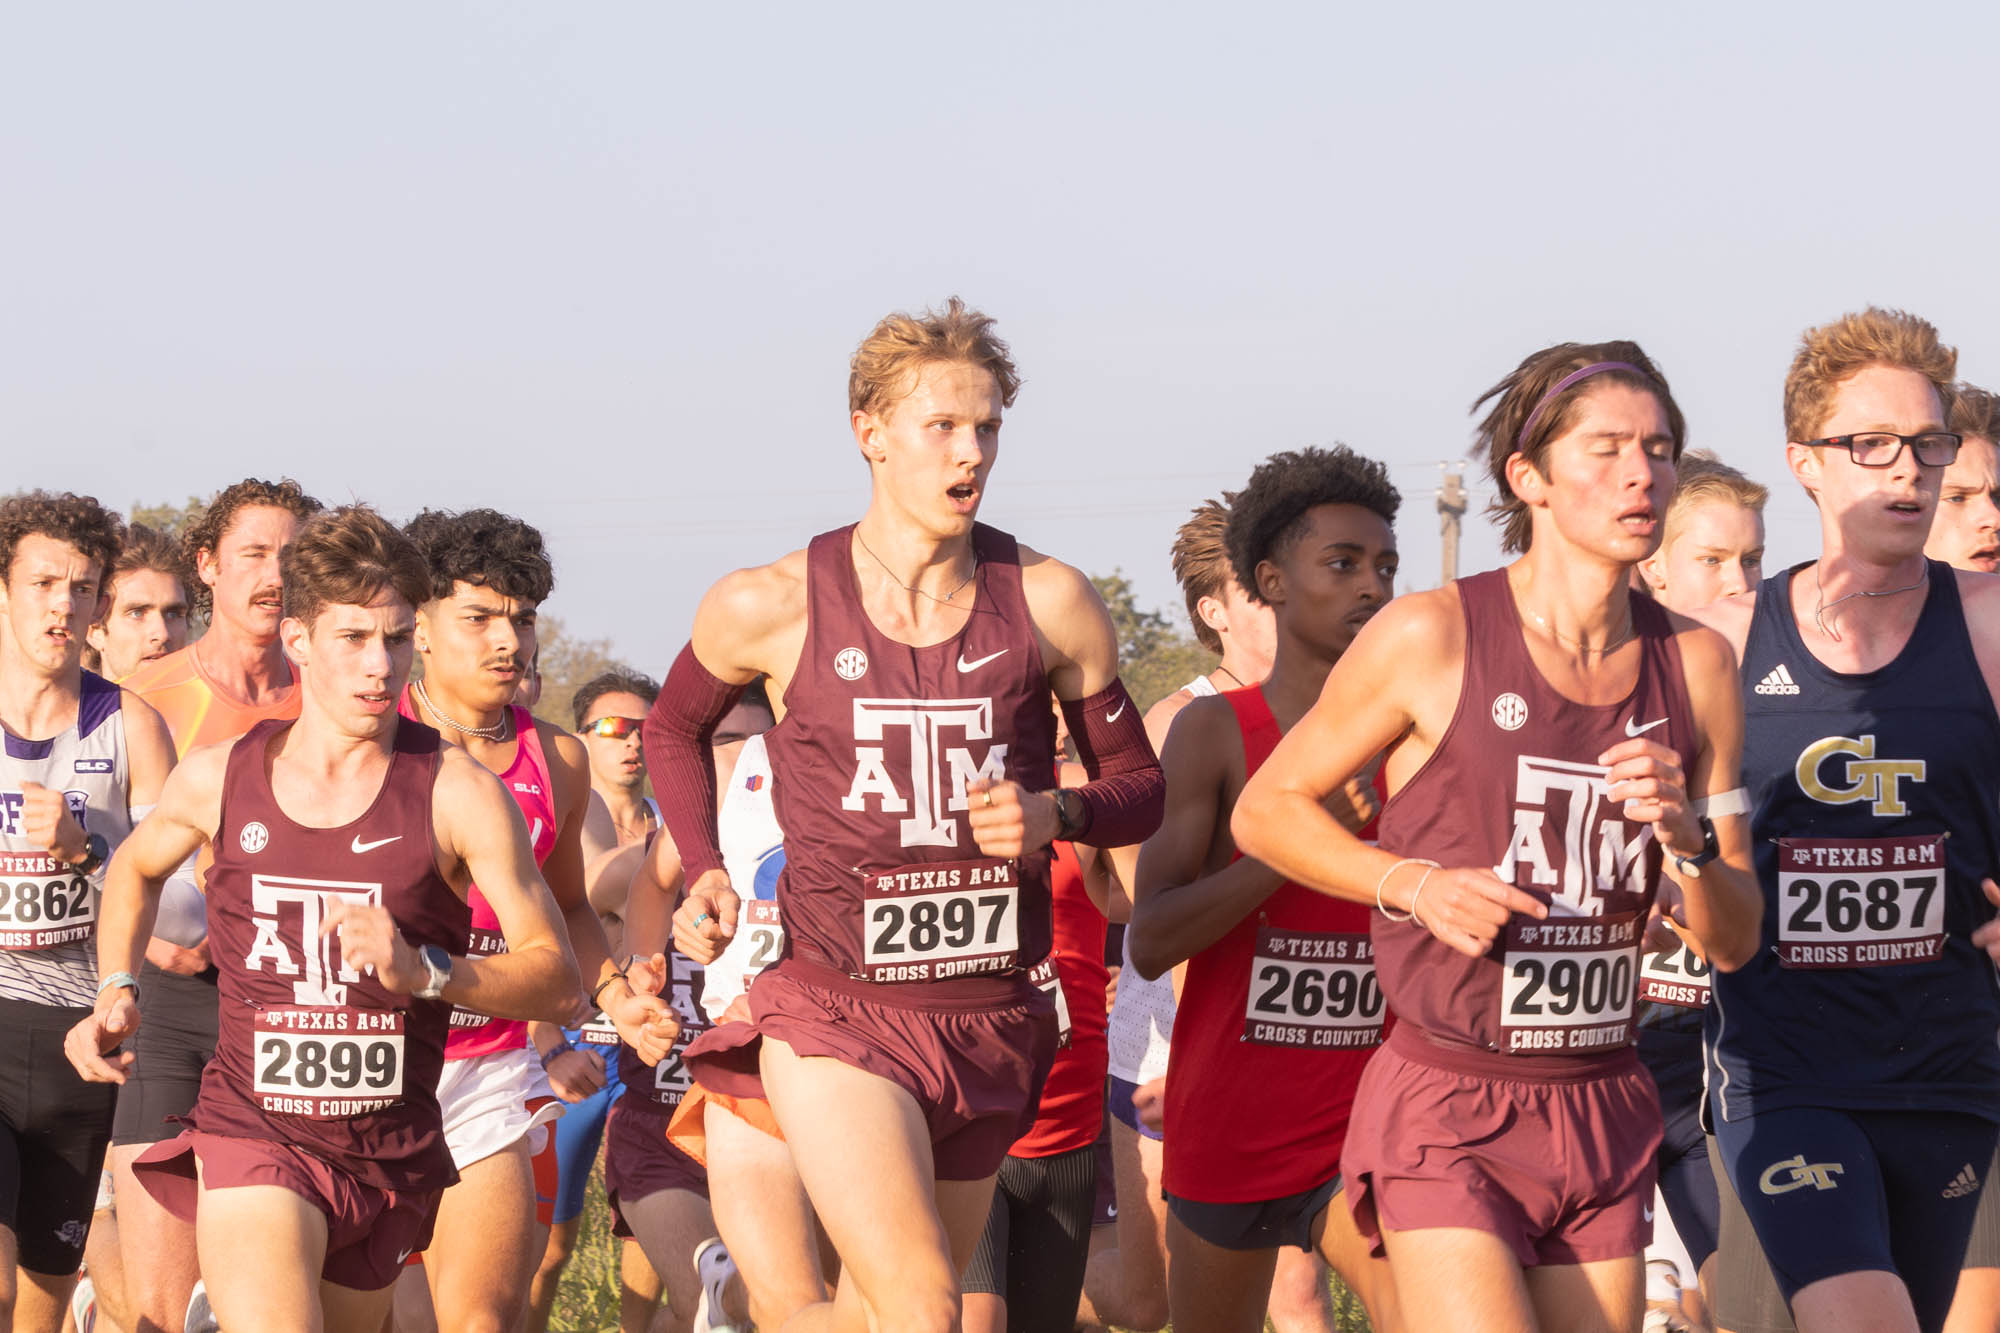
x=1127 y=793
x=679 y=758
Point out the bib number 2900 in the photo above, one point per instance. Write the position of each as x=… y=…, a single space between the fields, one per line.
x=1569 y=984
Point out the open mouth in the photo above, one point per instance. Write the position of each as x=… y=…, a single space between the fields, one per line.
x=1909 y=508
x=964 y=493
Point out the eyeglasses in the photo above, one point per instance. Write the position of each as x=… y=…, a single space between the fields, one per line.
x=612 y=728
x=1879 y=448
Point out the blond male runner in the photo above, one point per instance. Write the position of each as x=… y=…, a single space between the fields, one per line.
x=916 y=767
x=345 y=845
x=1549 y=733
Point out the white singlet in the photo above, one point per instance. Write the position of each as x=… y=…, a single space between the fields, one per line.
x=753 y=852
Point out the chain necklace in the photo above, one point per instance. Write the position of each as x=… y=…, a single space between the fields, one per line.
x=911 y=587
x=1232 y=675
x=1560 y=637
x=496 y=732
x=1823 y=606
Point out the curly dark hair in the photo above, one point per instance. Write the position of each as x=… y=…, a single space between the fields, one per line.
x=77 y=519
x=483 y=547
x=206 y=532
x=1267 y=517
x=618 y=680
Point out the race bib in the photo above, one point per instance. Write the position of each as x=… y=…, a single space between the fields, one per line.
x=671 y=1079
x=43 y=902
x=765 y=934
x=327 y=1063
x=1569 y=984
x=1045 y=977
x=1677 y=976
x=1313 y=990
x=1860 y=902
x=597 y=1030
x=946 y=919
x=478 y=944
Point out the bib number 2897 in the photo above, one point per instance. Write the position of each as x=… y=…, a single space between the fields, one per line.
x=948 y=919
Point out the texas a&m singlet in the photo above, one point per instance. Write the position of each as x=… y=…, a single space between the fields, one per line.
x=882 y=879
x=1515 y=785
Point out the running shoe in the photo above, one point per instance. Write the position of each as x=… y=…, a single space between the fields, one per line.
x=200 y=1318
x=83 y=1305
x=714 y=1266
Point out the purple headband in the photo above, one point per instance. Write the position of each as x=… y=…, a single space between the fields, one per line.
x=1594 y=368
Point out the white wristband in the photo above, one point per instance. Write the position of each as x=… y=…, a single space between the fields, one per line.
x=1735 y=801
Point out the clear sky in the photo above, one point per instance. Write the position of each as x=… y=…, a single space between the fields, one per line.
x=602 y=265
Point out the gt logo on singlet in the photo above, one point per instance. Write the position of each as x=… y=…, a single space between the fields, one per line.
x=1877 y=781
x=938 y=771
x=287 y=909
x=1795 y=1173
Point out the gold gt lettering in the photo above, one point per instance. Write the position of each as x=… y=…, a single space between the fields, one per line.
x=1878 y=781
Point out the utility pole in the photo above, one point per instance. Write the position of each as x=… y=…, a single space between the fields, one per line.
x=1451 y=508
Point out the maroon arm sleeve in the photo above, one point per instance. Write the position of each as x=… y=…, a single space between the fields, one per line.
x=1127 y=793
x=681 y=762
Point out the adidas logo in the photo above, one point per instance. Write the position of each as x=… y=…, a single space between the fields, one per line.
x=1778 y=682
x=1962 y=1184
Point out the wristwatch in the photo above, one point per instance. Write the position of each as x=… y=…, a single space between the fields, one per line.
x=437 y=971
x=1068 y=825
x=1691 y=865
x=96 y=851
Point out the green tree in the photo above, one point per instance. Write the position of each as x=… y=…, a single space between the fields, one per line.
x=1155 y=656
x=171 y=519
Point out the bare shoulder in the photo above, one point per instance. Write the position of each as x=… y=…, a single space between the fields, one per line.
x=1415 y=630
x=563 y=749
x=199 y=775
x=464 y=783
x=142 y=719
x=745 y=611
x=1197 y=728
x=1730 y=617
x=1045 y=579
x=1161 y=715
x=1704 y=648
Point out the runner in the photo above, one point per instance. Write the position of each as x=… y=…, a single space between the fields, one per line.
x=1027 y=1274
x=317 y=1136
x=609 y=710
x=475 y=633
x=1966 y=534
x=1272 y=1033
x=81 y=757
x=1712 y=547
x=214 y=690
x=1853 y=1076
x=147 y=614
x=1502 y=1142
x=915 y=760
x=1126 y=1284
x=582 y=1061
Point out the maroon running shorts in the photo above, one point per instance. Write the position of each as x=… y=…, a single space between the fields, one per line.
x=638 y=1161
x=974 y=1062
x=369 y=1230
x=1560 y=1166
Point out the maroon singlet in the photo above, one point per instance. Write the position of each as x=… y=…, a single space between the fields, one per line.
x=882 y=878
x=1276 y=1021
x=308 y=1053
x=1515 y=785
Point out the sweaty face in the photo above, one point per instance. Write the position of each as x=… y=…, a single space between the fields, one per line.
x=147 y=619
x=1882 y=513
x=477 y=644
x=1713 y=550
x=1333 y=579
x=242 y=570
x=1604 y=483
x=1966 y=529
x=52 y=595
x=354 y=661
x=931 y=449
x=615 y=761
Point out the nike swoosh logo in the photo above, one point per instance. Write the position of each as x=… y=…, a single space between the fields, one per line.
x=1649 y=1212
x=964 y=666
x=1113 y=717
x=358 y=846
x=1632 y=729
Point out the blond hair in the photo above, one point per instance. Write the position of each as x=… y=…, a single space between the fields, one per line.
x=1702 y=478
x=1830 y=353
x=885 y=365
x=1975 y=413
x=1201 y=563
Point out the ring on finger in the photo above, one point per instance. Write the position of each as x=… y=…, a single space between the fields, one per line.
x=700 y=917
x=989 y=797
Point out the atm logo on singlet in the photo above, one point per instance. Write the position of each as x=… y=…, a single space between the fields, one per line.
x=935 y=758
x=287 y=914
x=1570 y=836
x=1862 y=777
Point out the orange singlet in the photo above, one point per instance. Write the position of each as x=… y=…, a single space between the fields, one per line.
x=196 y=712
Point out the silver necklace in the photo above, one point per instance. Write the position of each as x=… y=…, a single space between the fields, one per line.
x=911 y=587
x=1560 y=637
x=496 y=732
x=1822 y=606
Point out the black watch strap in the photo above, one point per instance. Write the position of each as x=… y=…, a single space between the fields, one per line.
x=1691 y=865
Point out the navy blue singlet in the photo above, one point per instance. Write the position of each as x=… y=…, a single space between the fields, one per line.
x=1875 y=813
